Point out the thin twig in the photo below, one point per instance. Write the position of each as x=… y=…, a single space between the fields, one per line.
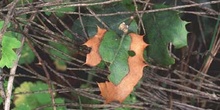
x=208 y=10
x=8 y=18
x=82 y=24
x=2 y=90
x=11 y=78
x=119 y=13
x=94 y=14
x=140 y=24
x=50 y=88
x=13 y=69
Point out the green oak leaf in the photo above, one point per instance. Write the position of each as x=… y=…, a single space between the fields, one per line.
x=163 y=28
x=8 y=55
x=114 y=50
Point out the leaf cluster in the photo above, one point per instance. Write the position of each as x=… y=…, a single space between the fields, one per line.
x=53 y=50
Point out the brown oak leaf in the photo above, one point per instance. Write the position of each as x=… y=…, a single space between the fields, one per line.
x=136 y=64
x=93 y=58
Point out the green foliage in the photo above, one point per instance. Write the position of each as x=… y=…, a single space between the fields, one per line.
x=29 y=101
x=23 y=2
x=129 y=100
x=114 y=50
x=59 y=53
x=60 y=10
x=83 y=99
x=162 y=28
x=8 y=55
x=1 y=24
x=61 y=49
x=90 y=23
x=128 y=4
x=4 y=86
x=68 y=34
x=1 y=100
x=111 y=42
x=27 y=55
x=133 y=27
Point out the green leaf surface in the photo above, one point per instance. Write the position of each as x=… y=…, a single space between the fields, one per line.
x=131 y=99
x=1 y=24
x=4 y=88
x=114 y=50
x=60 y=10
x=128 y=4
x=163 y=28
x=8 y=55
x=1 y=100
x=60 y=101
x=23 y=2
x=113 y=22
x=25 y=101
x=61 y=50
x=59 y=53
x=42 y=98
x=33 y=100
x=68 y=34
x=133 y=27
x=27 y=55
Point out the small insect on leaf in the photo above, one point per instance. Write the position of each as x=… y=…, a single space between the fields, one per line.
x=123 y=27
